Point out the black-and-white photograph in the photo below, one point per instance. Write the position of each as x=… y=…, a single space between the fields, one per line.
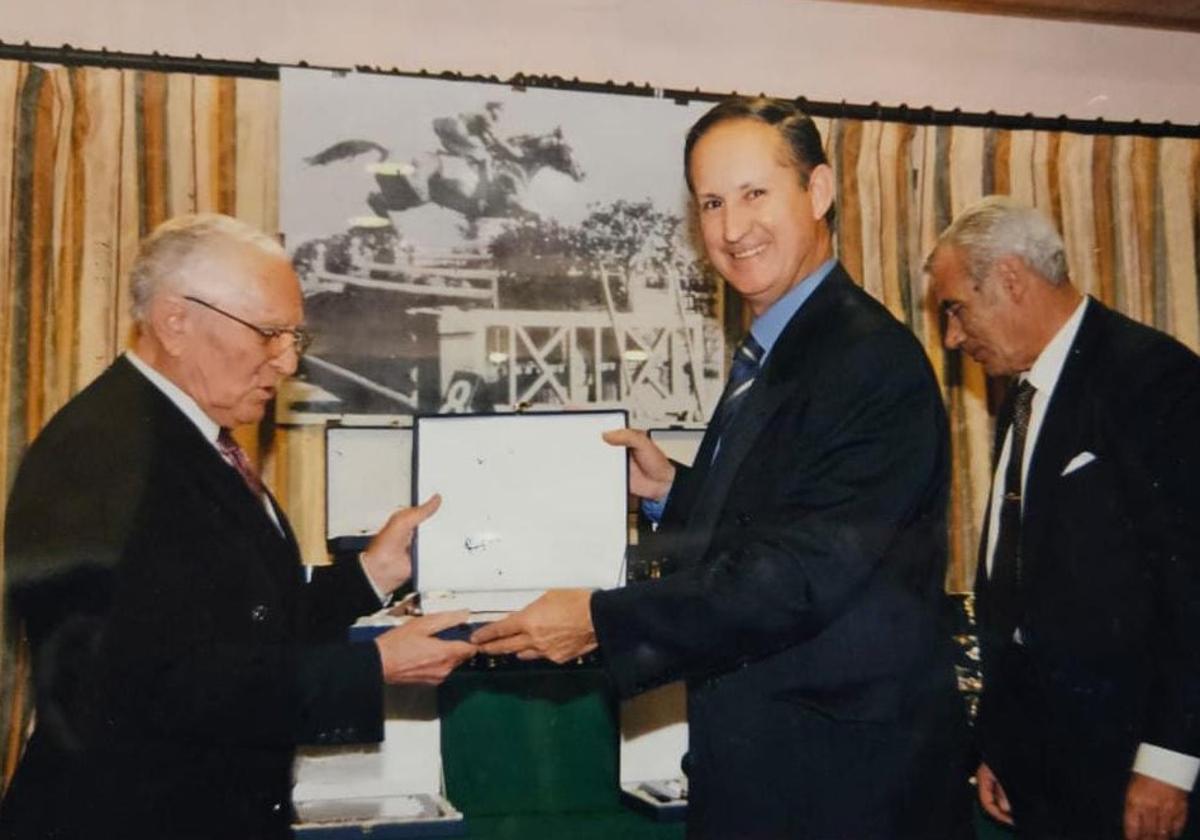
x=470 y=246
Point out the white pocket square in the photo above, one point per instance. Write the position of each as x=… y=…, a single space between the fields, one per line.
x=1080 y=460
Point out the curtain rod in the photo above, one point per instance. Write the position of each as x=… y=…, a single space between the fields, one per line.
x=903 y=113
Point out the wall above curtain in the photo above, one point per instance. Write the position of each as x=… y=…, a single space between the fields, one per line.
x=1161 y=14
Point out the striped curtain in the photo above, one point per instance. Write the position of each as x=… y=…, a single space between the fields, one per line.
x=92 y=159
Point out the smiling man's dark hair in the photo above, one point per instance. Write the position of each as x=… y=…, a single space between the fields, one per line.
x=805 y=151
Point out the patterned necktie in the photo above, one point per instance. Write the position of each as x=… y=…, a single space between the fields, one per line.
x=741 y=376
x=1005 y=580
x=237 y=459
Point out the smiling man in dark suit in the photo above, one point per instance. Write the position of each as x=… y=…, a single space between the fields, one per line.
x=178 y=653
x=808 y=540
x=1089 y=570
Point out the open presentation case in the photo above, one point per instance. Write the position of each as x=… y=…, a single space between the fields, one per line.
x=529 y=502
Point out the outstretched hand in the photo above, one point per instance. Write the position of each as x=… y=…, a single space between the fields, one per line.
x=387 y=560
x=557 y=626
x=412 y=654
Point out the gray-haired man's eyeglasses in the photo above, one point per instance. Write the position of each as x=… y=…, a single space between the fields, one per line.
x=300 y=339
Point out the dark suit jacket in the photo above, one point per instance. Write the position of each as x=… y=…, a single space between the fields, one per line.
x=804 y=607
x=1111 y=553
x=178 y=655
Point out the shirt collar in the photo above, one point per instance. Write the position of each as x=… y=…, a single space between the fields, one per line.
x=207 y=426
x=1049 y=364
x=768 y=326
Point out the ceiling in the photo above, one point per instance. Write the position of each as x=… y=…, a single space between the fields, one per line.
x=1158 y=14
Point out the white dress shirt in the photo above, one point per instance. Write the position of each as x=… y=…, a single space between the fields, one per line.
x=1174 y=768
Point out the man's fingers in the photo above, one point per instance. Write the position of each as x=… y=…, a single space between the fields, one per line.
x=498 y=630
x=992 y=807
x=1179 y=822
x=992 y=796
x=508 y=644
x=1133 y=822
x=428 y=625
x=460 y=652
x=1002 y=800
x=407 y=519
x=625 y=437
x=1153 y=809
x=414 y=516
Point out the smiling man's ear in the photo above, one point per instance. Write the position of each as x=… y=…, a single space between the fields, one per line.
x=820 y=190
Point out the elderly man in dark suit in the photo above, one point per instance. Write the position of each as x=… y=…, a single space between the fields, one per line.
x=808 y=540
x=178 y=653
x=1089 y=569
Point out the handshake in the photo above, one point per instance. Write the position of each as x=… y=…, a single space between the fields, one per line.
x=557 y=627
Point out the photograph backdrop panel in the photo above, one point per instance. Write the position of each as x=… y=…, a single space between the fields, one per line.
x=91 y=159
x=469 y=246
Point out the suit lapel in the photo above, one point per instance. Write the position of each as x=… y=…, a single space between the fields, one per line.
x=285 y=527
x=184 y=447
x=761 y=404
x=782 y=376
x=1059 y=437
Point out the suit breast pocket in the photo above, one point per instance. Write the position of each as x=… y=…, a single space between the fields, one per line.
x=1088 y=489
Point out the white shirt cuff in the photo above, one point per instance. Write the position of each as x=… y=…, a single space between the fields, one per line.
x=1174 y=768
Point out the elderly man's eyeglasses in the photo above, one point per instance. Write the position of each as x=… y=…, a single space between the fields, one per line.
x=300 y=340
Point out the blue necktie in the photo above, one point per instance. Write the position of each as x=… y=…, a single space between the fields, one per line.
x=741 y=376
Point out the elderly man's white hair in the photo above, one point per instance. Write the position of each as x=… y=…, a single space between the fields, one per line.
x=165 y=256
x=999 y=226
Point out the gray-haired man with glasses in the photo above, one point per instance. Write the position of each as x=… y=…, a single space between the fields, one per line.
x=178 y=653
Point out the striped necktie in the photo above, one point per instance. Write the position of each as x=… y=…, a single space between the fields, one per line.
x=741 y=377
x=236 y=457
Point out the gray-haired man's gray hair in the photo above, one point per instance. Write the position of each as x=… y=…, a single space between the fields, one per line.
x=165 y=256
x=999 y=226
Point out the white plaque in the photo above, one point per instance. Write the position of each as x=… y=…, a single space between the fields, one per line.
x=530 y=502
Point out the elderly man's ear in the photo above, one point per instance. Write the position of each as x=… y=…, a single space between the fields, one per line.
x=167 y=320
x=1014 y=277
